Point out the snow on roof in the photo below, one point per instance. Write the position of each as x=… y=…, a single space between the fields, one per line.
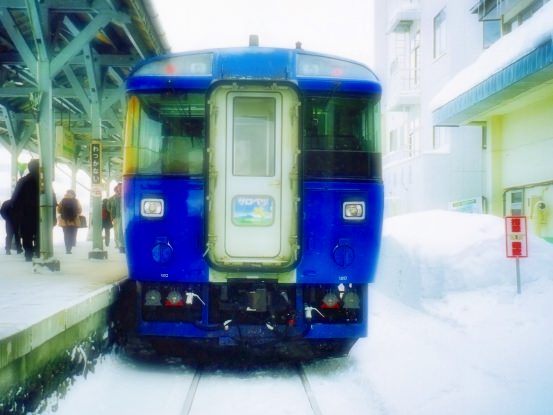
x=511 y=47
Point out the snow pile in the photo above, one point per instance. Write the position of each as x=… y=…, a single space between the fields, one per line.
x=428 y=254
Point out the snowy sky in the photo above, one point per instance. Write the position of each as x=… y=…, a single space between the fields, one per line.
x=341 y=27
x=62 y=179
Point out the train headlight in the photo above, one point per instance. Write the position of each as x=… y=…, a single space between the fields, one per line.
x=152 y=298
x=353 y=210
x=352 y=301
x=330 y=300
x=174 y=299
x=152 y=208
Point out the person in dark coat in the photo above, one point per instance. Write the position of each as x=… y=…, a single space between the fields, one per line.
x=25 y=201
x=69 y=209
x=12 y=227
x=114 y=207
x=25 y=205
x=106 y=221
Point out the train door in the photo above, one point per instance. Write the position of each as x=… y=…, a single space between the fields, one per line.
x=253 y=177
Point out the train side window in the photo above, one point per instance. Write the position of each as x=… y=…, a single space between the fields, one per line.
x=341 y=137
x=169 y=137
x=149 y=148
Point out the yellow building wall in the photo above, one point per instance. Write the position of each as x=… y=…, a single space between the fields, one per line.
x=522 y=159
x=496 y=184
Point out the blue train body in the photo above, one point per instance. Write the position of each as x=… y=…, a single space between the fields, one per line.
x=252 y=195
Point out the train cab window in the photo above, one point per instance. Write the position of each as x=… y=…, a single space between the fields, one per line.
x=167 y=135
x=254 y=136
x=341 y=137
x=182 y=154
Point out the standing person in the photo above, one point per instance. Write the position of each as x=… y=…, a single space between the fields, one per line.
x=114 y=207
x=25 y=207
x=69 y=209
x=12 y=227
x=106 y=221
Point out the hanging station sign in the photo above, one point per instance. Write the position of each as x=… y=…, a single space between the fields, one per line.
x=65 y=143
x=96 y=168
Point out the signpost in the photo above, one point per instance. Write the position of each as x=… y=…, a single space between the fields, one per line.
x=96 y=168
x=516 y=241
x=96 y=199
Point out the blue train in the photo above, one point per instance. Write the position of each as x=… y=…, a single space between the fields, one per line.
x=252 y=196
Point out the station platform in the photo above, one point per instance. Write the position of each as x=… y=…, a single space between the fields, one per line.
x=43 y=313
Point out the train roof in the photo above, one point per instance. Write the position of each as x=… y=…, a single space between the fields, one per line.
x=199 y=70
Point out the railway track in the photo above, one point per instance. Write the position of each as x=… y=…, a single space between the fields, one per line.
x=188 y=407
x=308 y=391
x=191 y=394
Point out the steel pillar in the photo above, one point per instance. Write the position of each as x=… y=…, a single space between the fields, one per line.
x=45 y=131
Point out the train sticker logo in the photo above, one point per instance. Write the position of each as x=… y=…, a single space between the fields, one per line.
x=253 y=210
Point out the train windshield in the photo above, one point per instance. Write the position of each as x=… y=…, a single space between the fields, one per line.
x=341 y=137
x=165 y=134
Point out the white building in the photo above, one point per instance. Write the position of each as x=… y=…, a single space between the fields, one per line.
x=468 y=106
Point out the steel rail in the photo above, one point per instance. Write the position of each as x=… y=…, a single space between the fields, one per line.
x=308 y=391
x=191 y=394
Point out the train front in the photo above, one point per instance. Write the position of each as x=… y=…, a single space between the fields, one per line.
x=252 y=196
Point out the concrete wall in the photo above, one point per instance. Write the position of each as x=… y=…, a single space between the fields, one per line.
x=31 y=358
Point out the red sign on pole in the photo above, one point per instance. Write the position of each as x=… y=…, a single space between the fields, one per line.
x=516 y=237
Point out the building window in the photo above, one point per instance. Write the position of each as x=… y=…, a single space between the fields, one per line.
x=491 y=22
x=413 y=140
x=393 y=141
x=492 y=32
x=524 y=10
x=415 y=59
x=517 y=207
x=441 y=139
x=500 y=17
x=439 y=34
x=411 y=144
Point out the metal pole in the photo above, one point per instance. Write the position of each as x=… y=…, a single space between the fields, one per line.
x=14 y=168
x=518 y=276
x=45 y=131
x=98 y=251
x=46 y=146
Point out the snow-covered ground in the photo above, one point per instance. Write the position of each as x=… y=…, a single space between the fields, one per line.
x=448 y=335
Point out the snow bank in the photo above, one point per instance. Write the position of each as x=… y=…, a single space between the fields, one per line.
x=428 y=254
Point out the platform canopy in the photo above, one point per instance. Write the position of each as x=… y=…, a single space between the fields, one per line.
x=63 y=64
x=90 y=47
